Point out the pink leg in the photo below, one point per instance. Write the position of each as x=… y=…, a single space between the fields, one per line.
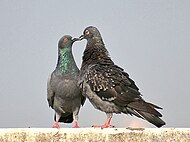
x=107 y=123
x=75 y=117
x=76 y=125
x=56 y=125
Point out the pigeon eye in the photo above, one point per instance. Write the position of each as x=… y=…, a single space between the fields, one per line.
x=65 y=40
x=87 y=32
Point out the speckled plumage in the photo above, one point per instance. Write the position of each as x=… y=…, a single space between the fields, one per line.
x=63 y=94
x=108 y=87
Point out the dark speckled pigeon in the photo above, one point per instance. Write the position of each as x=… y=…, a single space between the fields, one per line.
x=63 y=94
x=108 y=87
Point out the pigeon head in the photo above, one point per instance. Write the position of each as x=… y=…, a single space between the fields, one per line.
x=67 y=41
x=90 y=33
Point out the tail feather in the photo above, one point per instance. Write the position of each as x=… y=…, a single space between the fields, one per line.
x=145 y=107
x=132 y=112
x=154 y=106
x=152 y=119
x=65 y=117
x=146 y=111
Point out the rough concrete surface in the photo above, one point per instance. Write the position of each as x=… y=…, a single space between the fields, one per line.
x=95 y=135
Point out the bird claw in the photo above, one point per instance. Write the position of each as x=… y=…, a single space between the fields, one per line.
x=76 y=126
x=56 y=126
x=103 y=126
x=111 y=126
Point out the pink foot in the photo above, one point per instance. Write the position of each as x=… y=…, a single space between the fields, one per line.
x=56 y=125
x=104 y=126
x=76 y=125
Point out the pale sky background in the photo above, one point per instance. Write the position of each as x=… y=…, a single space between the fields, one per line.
x=150 y=39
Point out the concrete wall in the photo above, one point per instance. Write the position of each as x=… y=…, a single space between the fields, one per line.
x=95 y=135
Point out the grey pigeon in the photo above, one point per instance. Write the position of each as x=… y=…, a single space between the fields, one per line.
x=63 y=94
x=108 y=87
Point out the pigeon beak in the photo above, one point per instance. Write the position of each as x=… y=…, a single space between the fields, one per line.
x=75 y=39
x=81 y=37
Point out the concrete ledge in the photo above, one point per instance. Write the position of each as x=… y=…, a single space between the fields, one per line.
x=94 y=135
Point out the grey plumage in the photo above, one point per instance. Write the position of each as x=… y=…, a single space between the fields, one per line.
x=63 y=94
x=108 y=87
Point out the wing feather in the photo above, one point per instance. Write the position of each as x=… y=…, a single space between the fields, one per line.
x=112 y=84
x=50 y=93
